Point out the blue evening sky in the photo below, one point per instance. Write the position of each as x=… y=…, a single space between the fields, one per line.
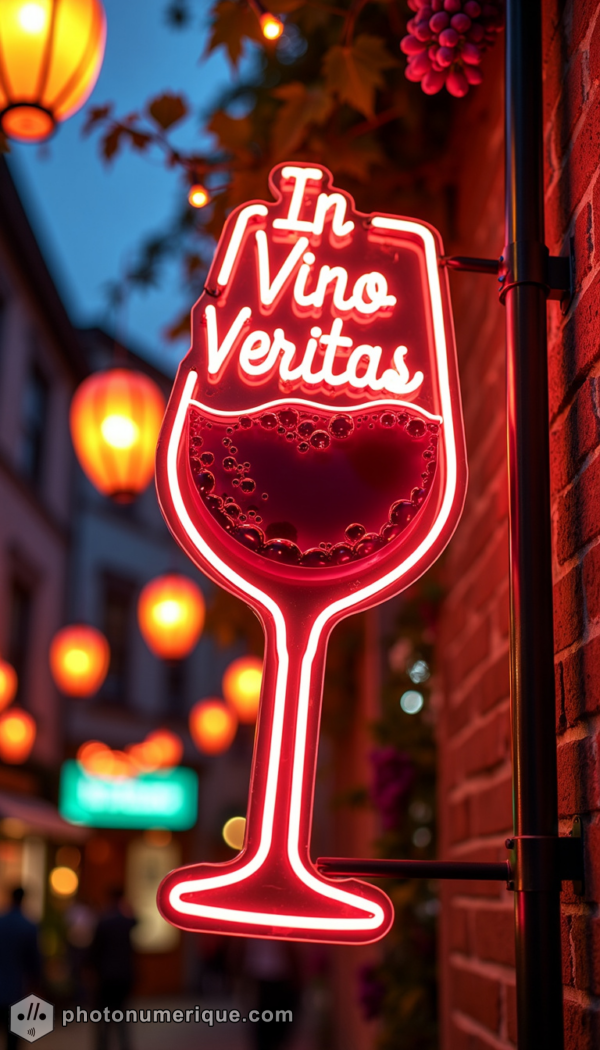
x=89 y=218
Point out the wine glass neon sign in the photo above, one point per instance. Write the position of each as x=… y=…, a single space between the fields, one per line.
x=312 y=462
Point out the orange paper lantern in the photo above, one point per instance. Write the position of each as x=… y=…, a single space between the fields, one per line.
x=17 y=735
x=161 y=749
x=8 y=684
x=241 y=687
x=169 y=745
x=213 y=726
x=51 y=53
x=171 y=615
x=115 y=421
x=79 y=659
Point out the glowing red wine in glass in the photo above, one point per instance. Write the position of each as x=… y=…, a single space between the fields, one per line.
x=314 y=469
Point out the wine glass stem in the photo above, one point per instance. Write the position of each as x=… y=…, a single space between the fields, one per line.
x=286 y=745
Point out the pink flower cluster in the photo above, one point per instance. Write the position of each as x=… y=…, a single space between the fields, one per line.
x=445 y=42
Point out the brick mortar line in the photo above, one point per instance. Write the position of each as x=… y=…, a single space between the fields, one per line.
x=479 y=670
x=473 y=1027
x=561 y=415
x=480 y=782
x=494 y=971
x=480 y=721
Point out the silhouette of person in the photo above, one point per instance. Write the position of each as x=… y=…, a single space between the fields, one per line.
x=20 y=966
x=112 y=958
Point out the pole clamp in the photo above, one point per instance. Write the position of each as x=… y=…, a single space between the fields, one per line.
x=529 y=262
x=541 y=862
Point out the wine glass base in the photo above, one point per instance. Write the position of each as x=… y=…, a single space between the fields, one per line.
x=274 y=900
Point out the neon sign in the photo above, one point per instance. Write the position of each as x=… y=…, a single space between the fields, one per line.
x=312 y=462
x=165 y=799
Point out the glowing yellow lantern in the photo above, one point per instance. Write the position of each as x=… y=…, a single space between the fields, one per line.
x=271 y=27
x=213 y=726
x=198 y=196
x=63 y=881
x=171 y=615
x=79 y=659
x=241 y=687
x=115 y=421
x=51 y=53
x=8 y=684
x=17 y=735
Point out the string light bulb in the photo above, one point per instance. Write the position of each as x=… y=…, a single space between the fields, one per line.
x=198 y=196
x=271 y=26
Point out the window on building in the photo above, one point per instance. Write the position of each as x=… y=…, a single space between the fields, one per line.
x=119 y=608
x=35 y=424
x=19 y=633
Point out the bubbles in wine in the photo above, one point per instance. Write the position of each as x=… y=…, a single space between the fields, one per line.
x=306 y=516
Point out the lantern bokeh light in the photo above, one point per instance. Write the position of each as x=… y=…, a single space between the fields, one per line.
x=115 y=421
x=17 y=735
x=171 y=615
x=51 y=54
x=64 y=882
x=234 y=831
x=161 y=749
x=101 y=761
x=198 y=196
x=213 y=726
x=79 y=659
x=241 y=687
x=8 y=684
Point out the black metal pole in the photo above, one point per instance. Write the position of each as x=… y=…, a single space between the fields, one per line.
x=537 y=889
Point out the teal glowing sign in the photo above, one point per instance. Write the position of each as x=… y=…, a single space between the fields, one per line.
x=166 y=799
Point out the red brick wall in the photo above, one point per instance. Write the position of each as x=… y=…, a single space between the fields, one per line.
x=476 y=933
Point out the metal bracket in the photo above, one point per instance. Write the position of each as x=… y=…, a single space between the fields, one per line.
x=527 y=262
x=540 y=862
x=537 y=862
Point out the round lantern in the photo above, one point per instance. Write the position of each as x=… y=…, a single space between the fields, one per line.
x=213 y=726
x=52 y=51
x=241 y=687
x=168 y=746
x=79 y=659
x=8 y=684
x=161 y=749
x=17 y=735
x=115 y=420
x=171 y=616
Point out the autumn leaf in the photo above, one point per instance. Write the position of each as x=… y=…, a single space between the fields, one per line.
x=354 y=73
x=301 y=107
x=232 y=24
x=111 y=143
x=96 y=115
x=350 y=157
x=179 y=328
x=167 y=110
x=233 y=133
